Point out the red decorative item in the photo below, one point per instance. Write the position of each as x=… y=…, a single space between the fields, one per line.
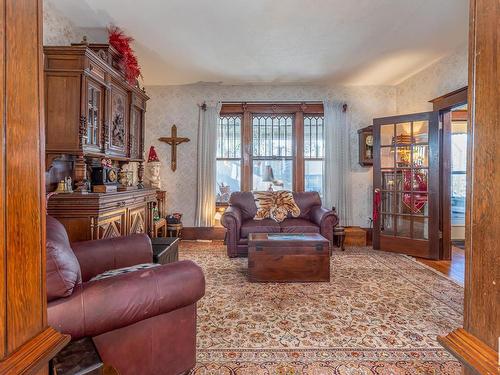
x=153 y=156
x=121 y=42
x=419 y=185
x=377 y=199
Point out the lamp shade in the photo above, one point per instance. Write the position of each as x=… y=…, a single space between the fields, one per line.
x=268 y=174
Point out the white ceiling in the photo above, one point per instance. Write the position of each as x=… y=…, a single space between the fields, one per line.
x=354 y=42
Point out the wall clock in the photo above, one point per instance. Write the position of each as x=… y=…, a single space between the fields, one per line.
x=365 y=136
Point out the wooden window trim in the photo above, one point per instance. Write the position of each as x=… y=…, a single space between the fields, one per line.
x=298 y=110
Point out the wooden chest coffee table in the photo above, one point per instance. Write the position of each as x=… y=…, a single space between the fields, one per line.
x=282 y=257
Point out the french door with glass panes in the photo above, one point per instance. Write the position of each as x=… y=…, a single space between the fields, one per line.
x=406 y=184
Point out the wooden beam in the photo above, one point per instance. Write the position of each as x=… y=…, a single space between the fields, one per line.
x=482 y=253
x=477 y=344
x=26 y=343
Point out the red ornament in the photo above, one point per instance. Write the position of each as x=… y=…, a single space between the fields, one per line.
x=153 y=156
x=121 y=42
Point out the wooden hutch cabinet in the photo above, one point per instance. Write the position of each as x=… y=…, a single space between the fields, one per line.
x=91 y=113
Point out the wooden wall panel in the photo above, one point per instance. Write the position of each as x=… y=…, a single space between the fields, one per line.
x=482 y=279
x=26 y=342
x=476 y=346
x=22 y=170
x=3 y=275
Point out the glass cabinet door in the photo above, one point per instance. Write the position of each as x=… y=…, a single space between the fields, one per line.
x=405 y=177
x=118 y=126
x=94 y=116
x=135 y=132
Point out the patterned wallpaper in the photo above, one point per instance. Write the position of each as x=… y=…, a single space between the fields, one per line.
x=58 y=30
x=442 y=77
x=178 y=105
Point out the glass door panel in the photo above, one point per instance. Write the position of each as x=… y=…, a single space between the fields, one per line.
x=386 y=135
x=406 y=176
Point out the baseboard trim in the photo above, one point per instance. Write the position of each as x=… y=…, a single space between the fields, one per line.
x=219 y=233
x=203 y=233
x=474 y=354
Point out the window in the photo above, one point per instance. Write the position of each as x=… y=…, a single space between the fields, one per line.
x=314 y=153
x=228 y=167
x=270 y=146
x=272 y=152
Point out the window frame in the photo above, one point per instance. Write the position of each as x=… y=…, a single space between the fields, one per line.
x=317 y=157
x=240 y=158
x=247 y=110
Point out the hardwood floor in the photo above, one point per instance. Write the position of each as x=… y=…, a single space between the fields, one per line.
x=454 y=268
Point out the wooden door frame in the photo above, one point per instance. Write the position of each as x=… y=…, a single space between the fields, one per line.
x=444 y=105
x=476 y=345
x=27 y=341
x=412 y=247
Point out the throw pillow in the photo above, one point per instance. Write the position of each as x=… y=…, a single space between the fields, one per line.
x=275 y=205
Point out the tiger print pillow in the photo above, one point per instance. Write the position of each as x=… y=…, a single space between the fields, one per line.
x=275 y=205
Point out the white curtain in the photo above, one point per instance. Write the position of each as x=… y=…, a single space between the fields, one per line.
x=207 y=152
x=337 y=168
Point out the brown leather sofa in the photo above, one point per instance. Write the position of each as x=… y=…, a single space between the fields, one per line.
x=142 y=322
x=239 y=222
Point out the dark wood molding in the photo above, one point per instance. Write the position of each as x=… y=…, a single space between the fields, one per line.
x=298 y=160
x=471 y=352
x=271 y=108
x=35 y=354
x=445 y=184
x=450 y=100
x=204 y=233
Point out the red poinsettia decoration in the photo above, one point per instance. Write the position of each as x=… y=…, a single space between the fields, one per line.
x=121 y=42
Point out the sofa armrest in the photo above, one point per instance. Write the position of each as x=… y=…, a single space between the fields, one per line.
x=104 y=305
x=326 y=220
x=231 y=219
x=98 y=256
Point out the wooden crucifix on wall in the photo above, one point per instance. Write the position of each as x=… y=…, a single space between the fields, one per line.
x=173 y=141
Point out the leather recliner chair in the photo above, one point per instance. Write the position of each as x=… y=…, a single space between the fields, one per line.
x=239 y=222
x=142 y=322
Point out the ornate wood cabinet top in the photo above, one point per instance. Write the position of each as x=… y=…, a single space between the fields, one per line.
x=89 y=103
x=91 y=112
x=76 y=204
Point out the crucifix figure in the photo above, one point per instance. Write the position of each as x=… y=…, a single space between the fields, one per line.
x=173 y=141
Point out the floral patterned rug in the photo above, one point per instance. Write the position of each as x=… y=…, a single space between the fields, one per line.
x=379 y=314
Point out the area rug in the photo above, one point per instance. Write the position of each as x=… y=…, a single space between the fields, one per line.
x=379 y=314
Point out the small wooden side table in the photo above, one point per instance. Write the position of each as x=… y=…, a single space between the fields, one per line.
x=160 y=228
x=339 y=237
x=165 y=249
x=174 y=230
